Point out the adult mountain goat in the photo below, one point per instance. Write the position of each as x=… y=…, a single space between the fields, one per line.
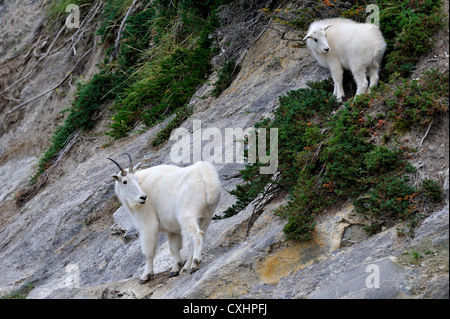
x=342 y=43
x=165 y=198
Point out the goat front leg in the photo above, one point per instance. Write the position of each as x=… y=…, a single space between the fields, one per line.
x=337 y=73
x=149 y=241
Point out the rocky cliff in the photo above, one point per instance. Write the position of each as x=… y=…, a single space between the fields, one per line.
x=72 y=240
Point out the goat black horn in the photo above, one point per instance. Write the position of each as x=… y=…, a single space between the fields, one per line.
x=124 y=172
x=131 y=162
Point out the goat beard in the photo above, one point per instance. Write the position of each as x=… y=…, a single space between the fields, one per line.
x=133 y=203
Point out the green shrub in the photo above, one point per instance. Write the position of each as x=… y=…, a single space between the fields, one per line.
x=411 y=102
x=179 y=63
x=327 y=158
x=148 y=82
x=293 y=119
x=432 y=190
x=408 y=27
x=88 y=101
x=225 y=77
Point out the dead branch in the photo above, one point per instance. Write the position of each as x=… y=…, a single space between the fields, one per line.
x=28 y=193
x=282 y=35
x=47 y=91
x=240 y=29
x=119 y=35
x=269 y=194
x=82 y=29
x=426 y=134
x=37 y=62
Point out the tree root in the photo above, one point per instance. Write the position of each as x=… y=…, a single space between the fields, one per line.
x=25 y=195
x=18 y=107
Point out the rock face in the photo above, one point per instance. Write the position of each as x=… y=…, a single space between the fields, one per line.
x=17 y=21
x=72 y=240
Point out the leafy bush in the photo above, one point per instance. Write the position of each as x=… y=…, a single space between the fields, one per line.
x=294 y=122
x=410 y=102
x=88 y=101
x=148 y=82
x=180 y=60
x=225 y=77
x=327 y=158
x=408 y=27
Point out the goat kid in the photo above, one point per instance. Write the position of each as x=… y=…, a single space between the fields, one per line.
x=340 y=44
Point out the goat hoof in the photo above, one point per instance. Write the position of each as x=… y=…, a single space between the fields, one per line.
x=146 y=280
x=173 y=274
x=197 y=261
x=142 y=281
x=193 y=270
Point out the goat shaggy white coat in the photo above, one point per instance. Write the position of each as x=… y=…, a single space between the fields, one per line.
x=340 y=44
x=178 y=201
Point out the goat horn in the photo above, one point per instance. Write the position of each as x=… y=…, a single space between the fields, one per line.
x=131 y=162
x=124 y=172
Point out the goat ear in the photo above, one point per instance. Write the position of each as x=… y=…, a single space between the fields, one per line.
x=327 y=26
x=307 y=37
x=116 y=177
x=136 y=166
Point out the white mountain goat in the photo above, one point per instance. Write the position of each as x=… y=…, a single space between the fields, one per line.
x=341 y=43
x=165 y=198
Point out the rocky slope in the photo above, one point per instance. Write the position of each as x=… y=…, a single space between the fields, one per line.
x=72 y=241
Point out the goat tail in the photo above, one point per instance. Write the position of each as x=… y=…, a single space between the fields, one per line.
x=212 y=196
x=212 y=186
x=378 y=56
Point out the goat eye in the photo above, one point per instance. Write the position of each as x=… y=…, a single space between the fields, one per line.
x=124 y=182
x=315 y=39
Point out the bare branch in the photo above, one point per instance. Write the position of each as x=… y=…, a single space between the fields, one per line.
x=426 y=134
x=47 y=91
x=28 y=193
x=37 y=62
x=119 y=35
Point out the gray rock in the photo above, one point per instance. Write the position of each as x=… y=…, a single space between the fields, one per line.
x=50 y=243
x=434 y=230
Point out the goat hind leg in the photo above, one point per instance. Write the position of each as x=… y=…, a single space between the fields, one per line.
x=188 y=262
x=361 y=80
x=373 y=76
x=175 y=244
x=196 y=235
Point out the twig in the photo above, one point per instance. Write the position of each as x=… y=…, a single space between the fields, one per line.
x=228 y=177
x=266 y=198
x=81 y=30
x=426 y=134
x=48 y=91
x=10 y=98
x=25 y=58
x=31 y=191
x=37 y=62
x=119 y=35
x=282 y=33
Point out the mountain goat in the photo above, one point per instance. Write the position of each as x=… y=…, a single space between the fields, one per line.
x=165 y=198
x=341 y=43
